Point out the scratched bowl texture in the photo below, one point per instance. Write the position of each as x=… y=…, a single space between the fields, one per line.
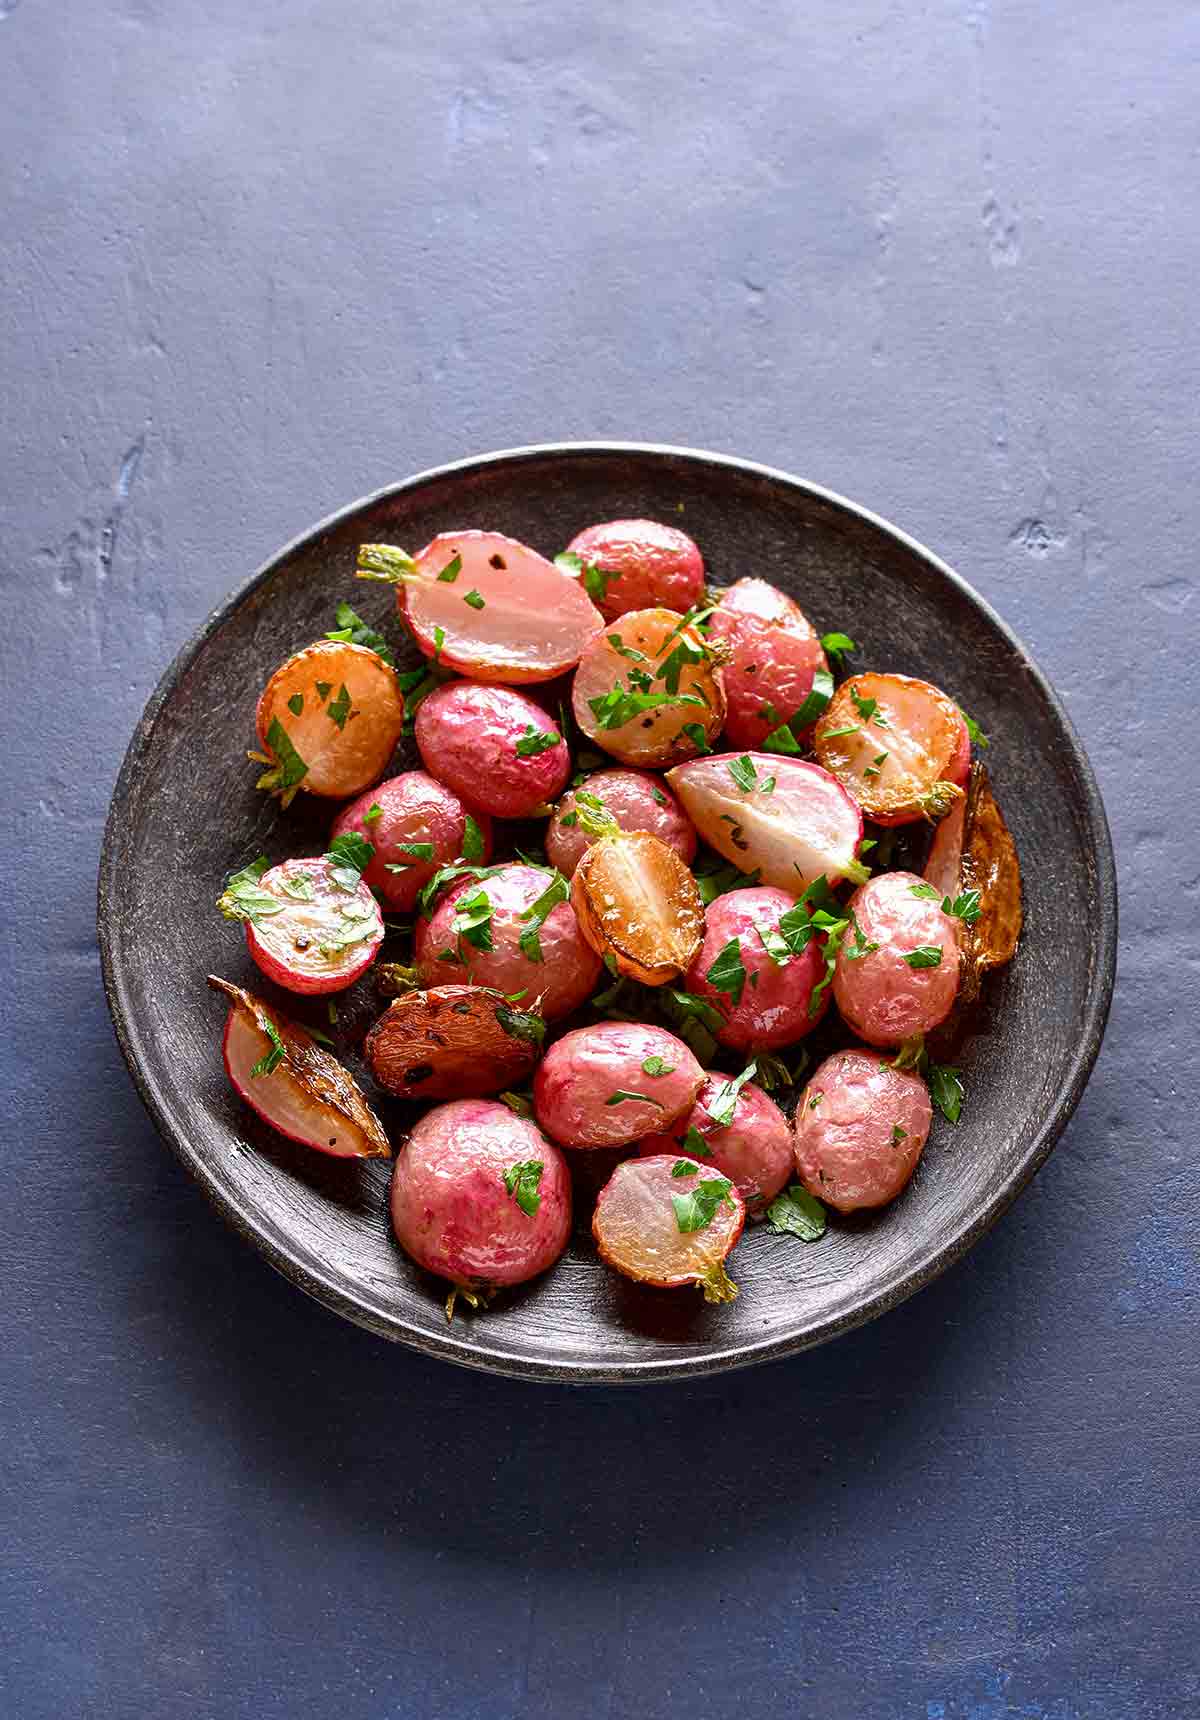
x=185 y=813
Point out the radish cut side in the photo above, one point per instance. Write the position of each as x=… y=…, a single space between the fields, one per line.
x=637 y=1230
x=308 y=1096
x=504 y=614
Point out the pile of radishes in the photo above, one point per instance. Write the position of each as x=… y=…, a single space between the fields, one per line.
x=692 y=716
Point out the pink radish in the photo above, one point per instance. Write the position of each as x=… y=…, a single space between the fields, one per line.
x=740 y=1131
x=415 y=825
x=762 y=988
x=773 y=655
x=604 y=1085
x=670 y=1221
x=487 y=606
x=787 y=820
x=897 y=975
x=637 y=800
x=295 y=1085
x=859 y=1129
x=636 y=564
x=493 y=746
x=312 y=926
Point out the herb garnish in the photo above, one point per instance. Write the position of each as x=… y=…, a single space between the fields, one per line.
x=373 y=812
x=521 y=1023
x=297 y=885
x=472 y=920
x=267 y=1064
x=797 y=1213
x=724 y=1103
x=521 y=1180
x=451 y=571
x=697 y=1209
x=683 y=1168
x=475 y=600
x=472 y=842
x=836 y=646
x=596 y=580
x=899 y=1134
x=348 y=858
x=337 y=710
x=619 y=706
x=353 y=630
x=925 y=956
x=656 y=1066
x=284 y=776
x=695 y=1144
x=836 y=734
x=558 y=890
x=620 y=1096
x=973 y=729
x=535 y=741
x=419 y=851
x=241 y=898
x=728 y=973
x=695 y=733
x=296 y=704
x=743 y=773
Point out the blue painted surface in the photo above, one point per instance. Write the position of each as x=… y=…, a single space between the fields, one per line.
x=258 y=260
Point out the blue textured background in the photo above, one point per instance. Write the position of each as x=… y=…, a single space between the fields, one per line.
x=260 y=258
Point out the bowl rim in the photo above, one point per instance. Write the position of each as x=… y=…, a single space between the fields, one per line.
x=495 y=1358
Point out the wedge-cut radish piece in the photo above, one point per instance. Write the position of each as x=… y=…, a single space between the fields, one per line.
x=637 y=564
x=972 y=850
x=895 y=743
x=637 y=903
x=453 y=1042
x=293 y=1083
x=787 y=820
x=324 y=932
x=648 y=689
x=487 y=606
x=637 y=800
x=481 y=1197
x=328 y=722
x=773 y=655
x=670 y=1221
x=493 y=746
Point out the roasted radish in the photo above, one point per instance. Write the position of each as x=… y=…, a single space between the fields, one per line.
x=897 y=966
x=761 y=967
x=637 y=800
x=896 y=744
x=859 y=1129
x=636 y=564
x=311 y=925
x=648 y=689
x=973 y=865
x=737 y=1129
x=604 y=1085
x=670 y=1221
x=636 y=902
x=293 y=1083
x=492 y=746
x=487 y=606
x=328 y=722
x=453 y=1042
x=772 y=662
x=481 y=1197
x=787 y=820
x=513 y=929
x=415 y=825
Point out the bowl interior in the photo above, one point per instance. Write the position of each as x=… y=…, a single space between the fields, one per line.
x=185 y=814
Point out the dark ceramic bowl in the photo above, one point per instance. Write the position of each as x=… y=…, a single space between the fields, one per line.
x=185 y=814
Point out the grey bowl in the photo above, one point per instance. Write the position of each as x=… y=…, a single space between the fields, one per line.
x=184 y=814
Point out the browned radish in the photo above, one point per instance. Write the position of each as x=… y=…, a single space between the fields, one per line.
x=453 y=1042
x=670 y=1221
x=487 y=606
x=328 y=722
x=896 y=744
x=648 y=689
x=787 y=820
x=295 y=1085
x=973 y=852
x=636 y=902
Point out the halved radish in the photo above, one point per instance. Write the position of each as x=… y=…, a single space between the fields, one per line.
x=487 y=606
x=648 y=689
x=453 y=1042
x=295 y=1085
x=786 y=819
x=323 y=931
x=637 y=903
x=895 y=743
x=670 y=1221
x=328 y=721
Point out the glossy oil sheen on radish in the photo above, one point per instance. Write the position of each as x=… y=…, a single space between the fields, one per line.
x=637 y=1231
x=802 y=828
x=323 y=936
x=340 y=711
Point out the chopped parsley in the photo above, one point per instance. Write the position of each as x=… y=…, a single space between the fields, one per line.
x=348 y=858
x=296 y=704
x=724 y=1103
x=697 y=1209
x=695 y=733
x=836 y=646
x=337 y=710
x=450 y=875
x=472 y=920
x=620 y=1096
x=521 y=1180
x=868 y=709
x=659 y=797
x=474 y=599
x=357 y=925
x=353 y=630
x=241 y=898
x=683 y=1168
x=836 y=734
x=925 y=956
x=324 y=688
x=285 y=775
x=946 y=1090
x=596 y=580
x=623 y=650
x=973 y=729
x=797 y=1213
x=558 y=890
x=451 y=571
x=964 y=907
x=472 y=843
x=267 y=1064
x=695 y=1144
x=373 y=812
x=518 y=1102
x=535 y=741
x=656 y=1066
x=728 y=973
x=924 y=892
x=714 y=877
x=785 y=738
x=618 y=706
x=418 y=850
x=298 y=885
x=899 y=1134
x=521 y=1023
x=743 y=773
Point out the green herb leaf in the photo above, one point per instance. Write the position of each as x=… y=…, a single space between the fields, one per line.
x=775 y=946
x=695 y=1145
x=337 y=710
x=620 y=1096
x=439 y=639
x=348 y=858
x=357 y=925
x=946 y=1090
x=569 y=820
x=724 y=1103
x=796 y=1213
x=697 y=1209
x=558 y=890
x=623 y=650
x=743 y=773
x=682 y=657
x=618 y=706
x=868 y=709
x=682 y=1168
x=925 y=956
x=354 y=630
x=275 y=1056
x=728 y=973
x=296 y=704
x=656 y=1066
x=324 y=688
x=472 y=920
x=535 y=741
x=973 y=729
x=924 y=892
x=373 y=812
x=659 y=797
x=289 y=770
x=297 y=885
x=836 y=734
x=856 y=945
x=817 y=701
x=451 y=571
x=418 y=850
x=695 y=733
x=596 y=580
x=472 y=843
x=782 y=740
x=450 y=875
x=836 y=646
x=521 y=1180
x=475 y=600
x=964 y=907
x=518 y=1102
x=899 y=1134
x=241 y=898
x=521 y=1023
